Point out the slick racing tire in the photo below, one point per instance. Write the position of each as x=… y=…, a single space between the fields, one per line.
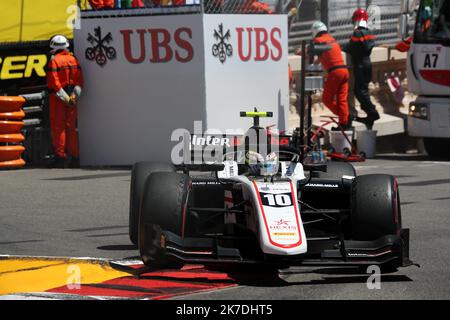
x=335 y=170
x=163 y=207
x=376 y=207
x=141 y=171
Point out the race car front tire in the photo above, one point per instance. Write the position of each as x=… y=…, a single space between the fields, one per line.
x=376 y=211
x=376 y=207
x=163 y=207
x=141 y=171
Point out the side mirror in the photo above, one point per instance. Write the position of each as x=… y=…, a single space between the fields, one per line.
x=403 y=26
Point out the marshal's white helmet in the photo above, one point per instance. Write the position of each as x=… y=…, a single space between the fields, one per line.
x=360 y=23
x=317 y=27
x=59 y=42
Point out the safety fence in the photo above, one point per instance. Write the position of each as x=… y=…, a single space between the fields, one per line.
x=182 y=6
x=383 y=19
x=335 y=13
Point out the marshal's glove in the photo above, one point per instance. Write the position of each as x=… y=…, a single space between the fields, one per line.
x=292 y=12
x=73 y=99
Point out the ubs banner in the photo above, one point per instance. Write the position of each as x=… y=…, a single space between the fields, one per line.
x=146 y=76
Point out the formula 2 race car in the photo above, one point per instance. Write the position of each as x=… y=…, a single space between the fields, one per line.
x=269 y=209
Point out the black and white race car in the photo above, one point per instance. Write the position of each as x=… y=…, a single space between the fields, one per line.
x=272 y=209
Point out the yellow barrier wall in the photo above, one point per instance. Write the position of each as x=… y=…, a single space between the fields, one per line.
x=32 y=20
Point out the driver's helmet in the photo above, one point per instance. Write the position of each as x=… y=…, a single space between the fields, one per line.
x=260 y=165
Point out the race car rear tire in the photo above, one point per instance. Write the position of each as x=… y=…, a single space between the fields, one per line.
x=141 y=171
x=375 y=207
x=336 y=169
x=163 y=207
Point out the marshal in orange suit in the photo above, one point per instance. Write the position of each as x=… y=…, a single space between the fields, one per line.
x=65 y=82
x=335 y=95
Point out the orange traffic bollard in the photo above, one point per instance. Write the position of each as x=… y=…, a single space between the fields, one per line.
x=12 y=138
x=11 y=104
x=10 y=153
x=10 y=126
x=11 y=114
x=18 y=163
x=17 y=115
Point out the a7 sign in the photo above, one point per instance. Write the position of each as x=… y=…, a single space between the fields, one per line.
x=430 y=60
x=433 y=58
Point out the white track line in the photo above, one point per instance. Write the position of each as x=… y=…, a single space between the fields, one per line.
x=55 y=296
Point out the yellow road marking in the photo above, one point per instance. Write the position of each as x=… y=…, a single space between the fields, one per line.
x=37 y=275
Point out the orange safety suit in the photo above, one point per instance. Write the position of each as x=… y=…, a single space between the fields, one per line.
x=335 y=94
x=63 y=72
x=101 y=4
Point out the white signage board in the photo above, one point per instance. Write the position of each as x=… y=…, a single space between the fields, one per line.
x=246 y=63
x=146 y=76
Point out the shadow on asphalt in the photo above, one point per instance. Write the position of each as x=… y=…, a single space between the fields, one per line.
x=349 y=280
x=21 y=241
x=276 y=281
x=107 y=235
x=272 y=278
x=97 y=229
x=90 y=177
x=262 y=278
x=442 y=198
x=406 y=203
x=118 y=247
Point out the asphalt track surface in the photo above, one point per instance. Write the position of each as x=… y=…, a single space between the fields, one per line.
x=84 y=213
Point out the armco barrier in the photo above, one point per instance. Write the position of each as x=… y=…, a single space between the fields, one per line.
x=11 y=137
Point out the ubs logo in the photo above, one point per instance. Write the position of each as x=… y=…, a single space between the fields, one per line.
x=222 y=49
x=100 y=51
x=252 y=43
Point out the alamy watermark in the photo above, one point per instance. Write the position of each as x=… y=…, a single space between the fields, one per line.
x=73 y=20
x=74 y=279
x=374 y=280
x=374 y=22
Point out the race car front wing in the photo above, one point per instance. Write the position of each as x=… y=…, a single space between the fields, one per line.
x=386 y=250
